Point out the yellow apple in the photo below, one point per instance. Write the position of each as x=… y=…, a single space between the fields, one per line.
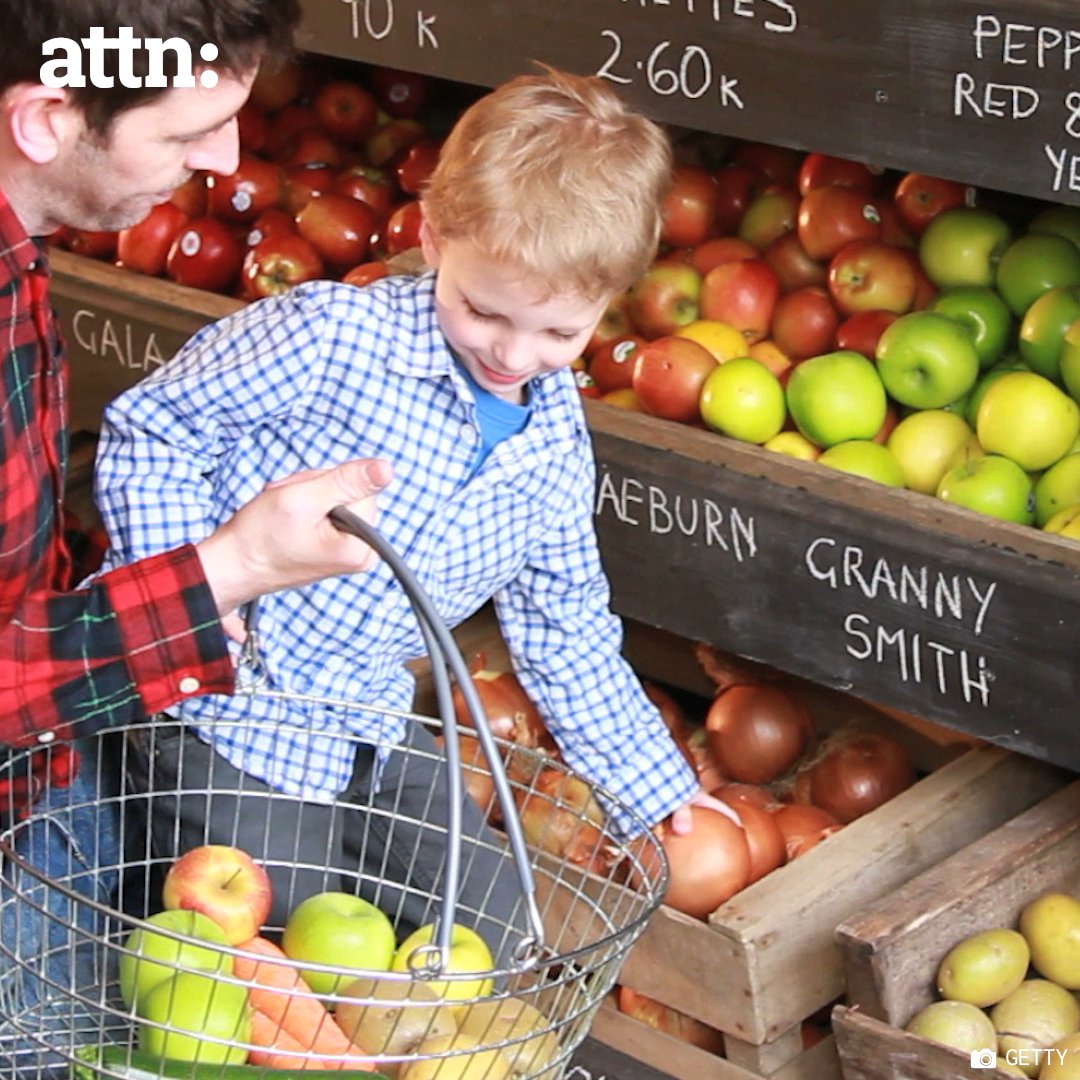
x=1065 y=523
x=456 y=1057
x=744 y=400
x=468 y=955
x=793 y=444
x=526 y=1035
x=924 y=443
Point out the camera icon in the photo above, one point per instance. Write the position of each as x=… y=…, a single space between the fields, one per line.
x=983 y=1059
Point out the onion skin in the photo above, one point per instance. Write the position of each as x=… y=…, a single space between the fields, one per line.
x=804 y=827
x=856 y=775
x=664 y=1018
x=510 y=713
x=560 y=816
x=735 y=794
x=758 y=732
x=709 y=865
x=768 y=849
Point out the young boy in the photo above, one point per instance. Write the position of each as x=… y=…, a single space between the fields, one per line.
x=544 y=206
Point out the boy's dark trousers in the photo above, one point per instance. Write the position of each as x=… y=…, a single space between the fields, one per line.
x=368 y=842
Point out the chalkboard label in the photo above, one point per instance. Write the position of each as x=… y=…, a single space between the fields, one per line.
x=594 y=1060
x=984 y=94
x=892 y=610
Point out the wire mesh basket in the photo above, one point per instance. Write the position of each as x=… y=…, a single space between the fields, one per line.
x=94 y=983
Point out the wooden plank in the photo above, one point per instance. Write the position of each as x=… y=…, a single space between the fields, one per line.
x=982 y=93
x=871 y=1050
x=768 y=957
x=887 y=594
x=891 y=950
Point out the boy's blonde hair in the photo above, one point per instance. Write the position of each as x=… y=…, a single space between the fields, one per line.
x=554 y=174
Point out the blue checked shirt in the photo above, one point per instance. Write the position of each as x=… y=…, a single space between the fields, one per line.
x=329 y=372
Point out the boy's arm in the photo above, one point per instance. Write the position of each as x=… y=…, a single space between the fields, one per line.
x=566 y=647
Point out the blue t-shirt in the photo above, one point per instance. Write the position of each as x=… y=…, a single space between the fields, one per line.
x=498 y=419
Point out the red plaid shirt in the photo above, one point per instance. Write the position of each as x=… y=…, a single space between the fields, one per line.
x=142 y=637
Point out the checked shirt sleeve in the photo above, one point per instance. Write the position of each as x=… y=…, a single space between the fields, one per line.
x=566 y=646
x=138 y=640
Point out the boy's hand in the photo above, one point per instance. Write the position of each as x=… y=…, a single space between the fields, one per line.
x=681 y=820
x=283 y=538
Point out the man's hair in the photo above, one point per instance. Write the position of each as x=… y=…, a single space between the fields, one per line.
x=245 y=32
x=554 y=174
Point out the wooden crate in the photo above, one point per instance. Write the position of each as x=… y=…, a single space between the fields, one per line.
x=892 y=949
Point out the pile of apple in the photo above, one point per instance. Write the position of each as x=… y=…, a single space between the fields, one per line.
x=206 y=983
x=330 y=165
x=888 y=328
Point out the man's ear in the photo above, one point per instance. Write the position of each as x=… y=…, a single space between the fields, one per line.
x=40 y=120
x=429 y=244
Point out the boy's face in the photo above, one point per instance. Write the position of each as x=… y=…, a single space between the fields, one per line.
x=113 y=180
x=505 y=328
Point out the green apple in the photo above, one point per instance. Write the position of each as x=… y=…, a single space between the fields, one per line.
x=962 y=246
x=149 y=958
x=985 y=381
x=863 y=457
x=985 y=315
x=742 y=398
x=1070 y=360
x=793 y=444
x=199 y=1010
x=924 y=443
x=967 y=451
x=1057 y=488
x=1062 y=220
x=991 y=485
x=1065 y=523
x=927 y=360
x=1027 y=418
x=836 y=397
x=1042 y=330
x=1034 y=264
x=342 y=930
x=468 y=955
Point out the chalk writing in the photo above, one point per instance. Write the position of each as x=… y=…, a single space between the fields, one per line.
x=133 y=348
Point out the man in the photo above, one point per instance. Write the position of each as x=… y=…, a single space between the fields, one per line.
x=145 y=636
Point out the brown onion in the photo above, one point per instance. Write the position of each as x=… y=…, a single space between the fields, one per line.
x=709 y=864
x=804 y=827
x=735 y=793
x=476 y=776
x=655 y=1014
x=559 y=815
x=768 y=849
x=859 y=773
x=510 y=713
x=670 y=710
x=757 y=732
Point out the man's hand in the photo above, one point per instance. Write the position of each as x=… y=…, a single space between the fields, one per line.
x=681 y=820
x=283 y=538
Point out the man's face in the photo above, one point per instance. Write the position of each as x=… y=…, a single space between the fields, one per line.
x=505 y=328
x=113 y=180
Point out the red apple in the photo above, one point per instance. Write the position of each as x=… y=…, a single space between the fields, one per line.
x=277 y=85
x=778 y=164
x=919 y=198
x=614 y=323
x=285 y=129
x=223 y=883
x=821 y=170
x=145 y=247
x=93 y=243
x=720 y=249
x=366 y=272
x=338 y=228
x=278 y=263
x=416 y=165
x=860 y=332
x=804 y=322
x=869 y=275
x=736 y=186
x=403 y=228
x=304 y=182
x=668 y=376
x=312 y=147
x=831 y=217
x=400 y=93
x=770 y=214
x=612 y=365
x=893 y=230
x=792 y=266
x=742 y=294
x=253 y=126
x=388 y=142
x=191 y=195
x=367 y=184
x=664 y=298
x=272 y=222
x=892 y=418
x=688 y=210
x=346 y=111
x=255 y=186
x=205 y=255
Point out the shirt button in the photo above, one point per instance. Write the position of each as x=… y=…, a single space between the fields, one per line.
x=189 y=684
x=468 y=434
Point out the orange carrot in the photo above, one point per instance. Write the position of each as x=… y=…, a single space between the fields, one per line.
x=288 y=1016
